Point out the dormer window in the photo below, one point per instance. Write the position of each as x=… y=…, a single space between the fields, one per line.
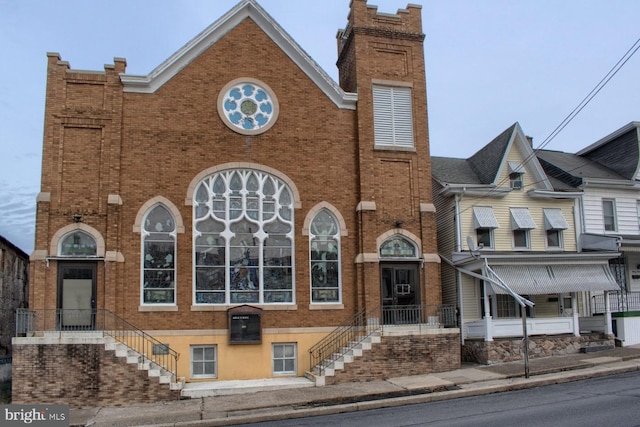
x=516 y=173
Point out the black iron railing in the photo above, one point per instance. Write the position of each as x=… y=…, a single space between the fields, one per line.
x=618 y=301
x=148 y=349
x=362 y=324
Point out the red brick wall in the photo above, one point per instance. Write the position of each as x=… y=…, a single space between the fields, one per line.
x=81 y=375
x=397 y=356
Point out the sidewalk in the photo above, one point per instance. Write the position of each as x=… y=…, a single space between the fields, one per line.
x=262 y=400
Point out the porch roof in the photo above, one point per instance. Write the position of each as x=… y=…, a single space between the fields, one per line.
x=555 y=279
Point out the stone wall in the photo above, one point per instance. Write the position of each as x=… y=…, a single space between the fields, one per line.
x=81 y=375
x=14 y=287
x=511 y=349
x=402 y=355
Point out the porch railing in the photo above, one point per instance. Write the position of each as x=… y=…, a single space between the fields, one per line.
x=363 y=324
x=150 y=350
x=618 y=301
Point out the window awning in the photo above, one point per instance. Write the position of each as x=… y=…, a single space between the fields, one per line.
x=555 y=279
x=554 y=220
x=521 y=219
x=483 y=217
x=516 y=167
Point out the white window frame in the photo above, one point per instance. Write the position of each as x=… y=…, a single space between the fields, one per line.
x=613 y=216
x=145 y=233
x=283 y=358
x=393 y=116
x=560 y=238
x=489 y=233
x=217 y=202
x=203 y=361
x=316 y=236
x=527 y=237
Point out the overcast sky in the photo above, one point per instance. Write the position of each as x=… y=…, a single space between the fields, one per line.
x=489 y=64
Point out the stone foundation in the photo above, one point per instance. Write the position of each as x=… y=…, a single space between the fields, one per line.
x=402 y=355
x=81 y=375
x=511 y=349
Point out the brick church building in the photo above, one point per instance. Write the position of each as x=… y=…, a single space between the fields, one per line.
x=239 y=206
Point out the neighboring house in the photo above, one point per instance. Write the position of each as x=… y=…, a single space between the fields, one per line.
x=510 y=231
x=239 y=206
x=14 y=290
x=608 y=174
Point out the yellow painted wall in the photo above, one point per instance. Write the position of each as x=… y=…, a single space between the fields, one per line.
x=240 y=361
x=503 y=237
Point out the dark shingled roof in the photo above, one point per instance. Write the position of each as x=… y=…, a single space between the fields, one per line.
x=570 y=169
x=453 y=171
x=486 y=161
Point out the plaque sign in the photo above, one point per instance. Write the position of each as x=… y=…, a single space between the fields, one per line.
x=245 y=325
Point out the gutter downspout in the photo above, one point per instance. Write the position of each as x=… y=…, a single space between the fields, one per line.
x=458 y=230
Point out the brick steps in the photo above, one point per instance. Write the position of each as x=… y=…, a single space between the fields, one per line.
x=337 y=361
x=131 y=356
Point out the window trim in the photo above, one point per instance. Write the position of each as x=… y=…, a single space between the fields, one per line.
x=174 y=235
x=294 y=358
x=560 y=239
x=489 y=231
x=215 y=361
x=335 y=237
x=527 y=237
x=227 y=175
x=613 y=216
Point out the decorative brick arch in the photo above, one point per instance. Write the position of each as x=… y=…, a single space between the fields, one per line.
x=317 y=208
x=407 y=234
x=158 y=200
x=297 y=204
x=61 y=233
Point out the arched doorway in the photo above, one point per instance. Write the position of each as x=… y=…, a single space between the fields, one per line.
x=400 y=281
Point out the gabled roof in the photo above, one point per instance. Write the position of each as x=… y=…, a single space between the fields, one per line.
x=486 y=162
x=484 y=167
x=245 y=9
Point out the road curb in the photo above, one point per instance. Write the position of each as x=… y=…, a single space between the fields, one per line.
x=468 y=390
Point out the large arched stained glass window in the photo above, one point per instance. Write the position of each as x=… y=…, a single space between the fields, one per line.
x=243 y=235
x=78 y=244
x=158 y=257
x=324 y=240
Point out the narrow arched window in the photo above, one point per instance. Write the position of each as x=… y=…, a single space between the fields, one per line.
x=324 y=244
x=243 y=239
x=158 y=257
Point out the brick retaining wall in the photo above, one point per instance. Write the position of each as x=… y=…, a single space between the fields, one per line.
x=80 y=375
x=397 y=356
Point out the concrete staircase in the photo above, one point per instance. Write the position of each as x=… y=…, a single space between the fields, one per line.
x=346 y=355
x=143 y=363
x=598 y=342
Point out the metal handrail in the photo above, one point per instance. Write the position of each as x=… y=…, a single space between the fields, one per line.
x=618 y=301
x=146 y=347
x=362 y=324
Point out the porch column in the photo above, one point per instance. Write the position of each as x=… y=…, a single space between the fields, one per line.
x=488 y=325
x=608 y=329
x=576 y=315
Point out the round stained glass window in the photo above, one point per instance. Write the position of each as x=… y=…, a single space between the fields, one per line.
x=247 y=106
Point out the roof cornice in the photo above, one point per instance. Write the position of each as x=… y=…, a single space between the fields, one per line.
x=546 y=194
x=243 y=10
x=474 y=190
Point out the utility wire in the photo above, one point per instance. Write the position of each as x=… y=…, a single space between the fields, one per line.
x=601 y=84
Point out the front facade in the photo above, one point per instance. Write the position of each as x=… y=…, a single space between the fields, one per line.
x=513 y=250
x=236 y=215
x=608 y=172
